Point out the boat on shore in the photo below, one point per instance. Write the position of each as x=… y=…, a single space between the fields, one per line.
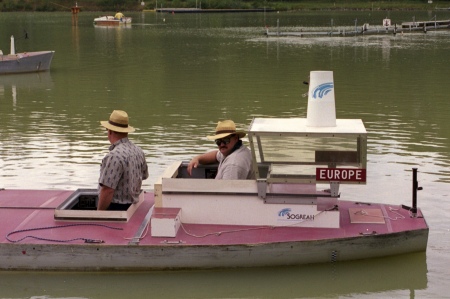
x=112 y=21
x=291 y=214
x=26 y=62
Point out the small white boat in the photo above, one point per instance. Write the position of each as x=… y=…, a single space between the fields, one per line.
x=112 y=21
x=26 y=62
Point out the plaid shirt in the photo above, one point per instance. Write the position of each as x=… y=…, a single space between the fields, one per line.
x=123 y=169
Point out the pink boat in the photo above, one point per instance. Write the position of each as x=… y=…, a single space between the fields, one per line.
x=291 y=214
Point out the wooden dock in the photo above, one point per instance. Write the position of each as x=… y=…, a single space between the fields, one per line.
x=427 y=24
x=200 y=10
x=419 y=26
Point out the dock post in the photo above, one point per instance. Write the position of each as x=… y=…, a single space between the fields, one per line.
x=332 y=27
x=278 y=26
x=75 y=10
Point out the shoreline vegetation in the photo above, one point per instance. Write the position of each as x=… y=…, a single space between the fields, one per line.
x=286 y=5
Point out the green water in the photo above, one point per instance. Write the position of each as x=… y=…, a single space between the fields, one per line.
x=176 y=75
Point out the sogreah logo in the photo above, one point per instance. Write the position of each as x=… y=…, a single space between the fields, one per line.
x=322 y=90
x=285 y=214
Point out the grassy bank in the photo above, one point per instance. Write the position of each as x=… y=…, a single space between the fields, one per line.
x=133 y=5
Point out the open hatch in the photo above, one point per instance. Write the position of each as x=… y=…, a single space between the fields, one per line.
x=81 y=205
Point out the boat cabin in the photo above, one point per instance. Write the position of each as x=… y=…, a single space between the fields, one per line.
x=298 y=172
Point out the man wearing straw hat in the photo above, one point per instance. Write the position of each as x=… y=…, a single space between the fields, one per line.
x=123 y=169
x=235 y=159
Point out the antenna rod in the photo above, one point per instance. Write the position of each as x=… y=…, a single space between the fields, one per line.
x=416 y=188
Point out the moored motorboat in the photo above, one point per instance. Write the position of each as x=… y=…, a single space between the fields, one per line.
x=291 y=214
x=112 y=21
x=26 y=62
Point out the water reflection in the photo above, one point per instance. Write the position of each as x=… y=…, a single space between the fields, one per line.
x=12 y=85
x=113 y=27
x=402 y=276
x=40 y=80
x=76 y=38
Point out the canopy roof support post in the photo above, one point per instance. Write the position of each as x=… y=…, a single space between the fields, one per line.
x=262 y=188
x=334 y=188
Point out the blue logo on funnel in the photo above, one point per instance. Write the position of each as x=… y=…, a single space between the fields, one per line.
x=322 y=90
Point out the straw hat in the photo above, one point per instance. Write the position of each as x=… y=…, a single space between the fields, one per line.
x=224 y=129
x=118 y=122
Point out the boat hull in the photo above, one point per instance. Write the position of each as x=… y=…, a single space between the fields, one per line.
x=165 y=257
x=111 y=21
x=26 y=62
x=195 y=246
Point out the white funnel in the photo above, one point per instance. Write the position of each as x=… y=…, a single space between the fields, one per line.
x=321 y=105
x=13 y=48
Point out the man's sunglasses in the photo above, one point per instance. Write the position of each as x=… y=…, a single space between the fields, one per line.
x=225 y=140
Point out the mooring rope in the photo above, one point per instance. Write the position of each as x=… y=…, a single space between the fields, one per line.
x=219 y=233
x=86 y=240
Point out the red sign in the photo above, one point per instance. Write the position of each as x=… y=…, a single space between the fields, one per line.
x=341 y=174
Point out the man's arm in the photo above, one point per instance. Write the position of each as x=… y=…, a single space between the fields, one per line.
x=105 y=197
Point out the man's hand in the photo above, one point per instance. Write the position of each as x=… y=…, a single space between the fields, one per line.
x=192 y=164
x=206 y=158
